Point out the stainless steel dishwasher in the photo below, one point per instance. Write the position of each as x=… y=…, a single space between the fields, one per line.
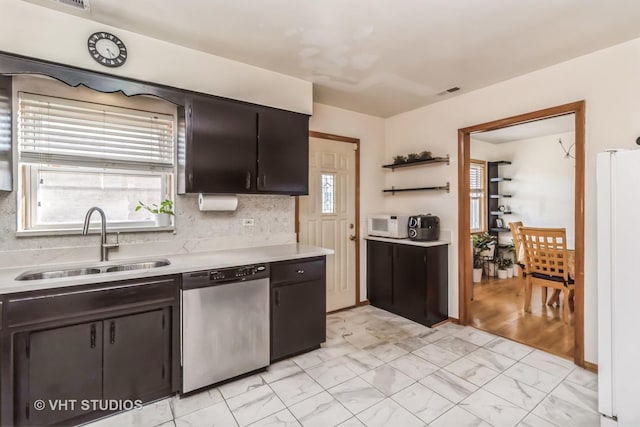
x=225 y=324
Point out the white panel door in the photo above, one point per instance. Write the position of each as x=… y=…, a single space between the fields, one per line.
x=327 y=215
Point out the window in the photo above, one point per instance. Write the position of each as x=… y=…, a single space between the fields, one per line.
x=75 y=154
x=478 y=196
x=328 y=194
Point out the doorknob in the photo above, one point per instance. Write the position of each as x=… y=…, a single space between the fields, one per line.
x=352 y=237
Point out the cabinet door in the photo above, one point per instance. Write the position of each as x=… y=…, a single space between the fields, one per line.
x=379 y=274
x=409 y=281
x=437 y=284
x=137 y=355
x=283 y=152
x=298 y=317
x=5 y=134
x=221 y=147
x=57 y=365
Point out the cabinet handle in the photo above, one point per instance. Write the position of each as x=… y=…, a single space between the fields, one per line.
x=300 y=271
x=247 y=183
x=277 y=297
x=92 y=339
x=264 y=180
x=112 y=333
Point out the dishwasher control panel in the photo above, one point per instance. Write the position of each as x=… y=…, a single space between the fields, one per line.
x=200 y=279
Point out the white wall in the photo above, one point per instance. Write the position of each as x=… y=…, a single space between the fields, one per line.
x=609 y=81
x=542 y=180
x=40 y=32
x=370 y=131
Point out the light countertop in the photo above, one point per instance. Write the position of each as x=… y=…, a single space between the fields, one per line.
x=181 y=263
x=409 y=242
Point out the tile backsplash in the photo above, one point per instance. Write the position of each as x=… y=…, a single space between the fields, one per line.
x=196 y=231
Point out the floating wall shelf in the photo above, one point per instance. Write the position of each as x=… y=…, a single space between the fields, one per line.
x=394 y=190
x=418 y=163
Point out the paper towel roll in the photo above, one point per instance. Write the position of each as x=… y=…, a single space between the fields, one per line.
x=214 y=202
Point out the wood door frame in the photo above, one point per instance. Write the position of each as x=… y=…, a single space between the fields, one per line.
x=356 y=141
x=464 y=242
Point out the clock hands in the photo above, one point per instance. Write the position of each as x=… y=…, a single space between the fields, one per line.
x=111 y=54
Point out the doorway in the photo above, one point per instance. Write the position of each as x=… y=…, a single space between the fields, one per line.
x=464 y=216
x=329 y=215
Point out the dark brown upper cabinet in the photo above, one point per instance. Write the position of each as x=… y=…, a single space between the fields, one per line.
x=283 y=152
x=239 y=148
x=221 y=147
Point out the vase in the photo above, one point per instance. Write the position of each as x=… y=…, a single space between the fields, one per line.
x=509 y=272
x=163 y=220
x=502 y=274
x=477 y=275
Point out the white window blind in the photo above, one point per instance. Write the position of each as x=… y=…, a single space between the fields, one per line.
x=75 y=133
x=476 y=185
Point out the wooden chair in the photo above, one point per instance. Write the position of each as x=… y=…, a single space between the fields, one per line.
x=517 y=243
x=545 y=251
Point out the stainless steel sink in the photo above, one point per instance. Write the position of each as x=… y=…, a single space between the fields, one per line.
x=137 y=265
x=83 y=271
x=54 y=274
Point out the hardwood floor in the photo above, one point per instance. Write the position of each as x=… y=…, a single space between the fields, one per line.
x=497 y=309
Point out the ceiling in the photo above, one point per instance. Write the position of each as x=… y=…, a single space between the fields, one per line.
x=538 y=128
x=381 y=57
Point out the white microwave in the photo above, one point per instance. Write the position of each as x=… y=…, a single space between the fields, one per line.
x=386 y=225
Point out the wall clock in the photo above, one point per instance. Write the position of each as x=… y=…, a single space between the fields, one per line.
x=107 y=49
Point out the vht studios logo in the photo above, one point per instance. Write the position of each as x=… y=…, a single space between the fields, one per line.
x=86 y=405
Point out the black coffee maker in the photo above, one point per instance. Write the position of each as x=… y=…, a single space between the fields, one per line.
x=424 y=227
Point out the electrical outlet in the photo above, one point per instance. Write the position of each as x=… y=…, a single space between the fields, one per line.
x=247 y=221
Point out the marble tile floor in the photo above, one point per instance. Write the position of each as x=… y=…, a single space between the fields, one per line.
x=379 y=369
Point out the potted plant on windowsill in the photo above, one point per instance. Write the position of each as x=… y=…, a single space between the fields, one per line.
x=163 y=213
x=502 y=267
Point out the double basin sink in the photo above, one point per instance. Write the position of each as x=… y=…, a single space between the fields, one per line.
x=83 y=271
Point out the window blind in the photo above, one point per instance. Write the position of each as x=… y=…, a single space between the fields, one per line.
x=476 y=186
x=476 y=178
x=76 y=133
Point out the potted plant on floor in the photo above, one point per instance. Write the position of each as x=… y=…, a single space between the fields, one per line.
x=481 y=244
x=502 y=267
x=509 y=263
x=163 y=213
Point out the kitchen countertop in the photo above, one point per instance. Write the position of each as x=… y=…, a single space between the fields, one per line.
x=180 y=263
x=409 y=242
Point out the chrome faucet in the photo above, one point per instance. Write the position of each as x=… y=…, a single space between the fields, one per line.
x=104 y=246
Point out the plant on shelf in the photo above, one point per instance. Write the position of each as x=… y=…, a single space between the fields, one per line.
x=425 y=155
x=412 y=157
x=397 y=160
x=162 y=212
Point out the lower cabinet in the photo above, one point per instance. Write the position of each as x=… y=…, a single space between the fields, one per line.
x=57 y=365
x=298 y=306
x=113 y=343
x=408 y=280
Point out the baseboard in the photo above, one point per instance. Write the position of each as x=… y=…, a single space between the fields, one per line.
x=360 y=304
x=593 y=367
x=449 y=320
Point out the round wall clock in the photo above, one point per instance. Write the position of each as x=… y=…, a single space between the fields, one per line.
x=107 y=49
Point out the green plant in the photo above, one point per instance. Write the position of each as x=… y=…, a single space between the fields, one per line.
x=399 y=159
x=481 y=242
x=166 y=207
x=412 y=157
x=509 y=262
x=502 y=263
x=425 y=155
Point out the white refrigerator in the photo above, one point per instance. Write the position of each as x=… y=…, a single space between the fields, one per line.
x=618 y=261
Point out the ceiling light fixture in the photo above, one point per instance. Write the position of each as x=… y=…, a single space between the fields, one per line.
x=567 y=152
